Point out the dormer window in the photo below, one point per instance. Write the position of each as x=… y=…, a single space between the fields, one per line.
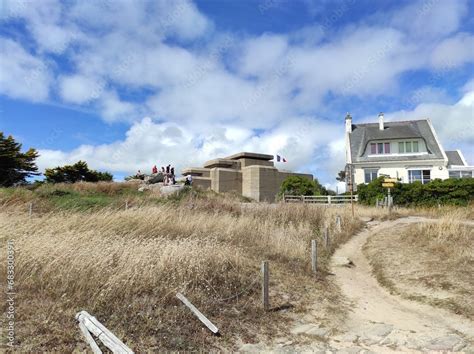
x=408 y=147
x=379 y=148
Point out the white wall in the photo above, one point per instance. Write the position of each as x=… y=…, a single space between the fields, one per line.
x=397 y=171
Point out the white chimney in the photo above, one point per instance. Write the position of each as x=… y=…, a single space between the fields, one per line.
x=381 y=126
x=348 y=123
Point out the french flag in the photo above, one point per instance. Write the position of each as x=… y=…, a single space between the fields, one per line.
x=281 y=159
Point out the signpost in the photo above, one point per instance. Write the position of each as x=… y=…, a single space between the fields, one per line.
x=389 y=183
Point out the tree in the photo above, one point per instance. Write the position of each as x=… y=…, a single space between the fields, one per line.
x=15 y=166
x=341 y=176
x=75 y=173
x=297 y=185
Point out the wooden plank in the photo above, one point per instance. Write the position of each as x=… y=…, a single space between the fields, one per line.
x=265 y=283
x=102 y=333
x=314 y=255
x=87 y=335
x=198 y=313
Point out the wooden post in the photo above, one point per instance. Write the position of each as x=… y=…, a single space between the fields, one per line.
x=338 y=223
x=126 y=205
x=265 y=280
x=30 y=212
x=88 y=337
x=314 y=255
x=102 y=333
x=198 y=313
x=329 y=199
x=326 y=237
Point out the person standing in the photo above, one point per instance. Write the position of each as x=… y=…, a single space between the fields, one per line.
x=154 y=170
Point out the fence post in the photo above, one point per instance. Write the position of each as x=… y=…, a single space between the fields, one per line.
x=30 y=211
x=265 y=280
x=329 y=199
x=326 y=237
x=126 y=205
x=338 y=223
x=314 y=255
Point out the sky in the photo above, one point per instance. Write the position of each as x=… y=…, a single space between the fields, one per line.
x=126 y=84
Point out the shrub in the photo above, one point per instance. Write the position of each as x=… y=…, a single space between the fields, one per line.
x=444 y=192
x=296 y=185
x=75 y=173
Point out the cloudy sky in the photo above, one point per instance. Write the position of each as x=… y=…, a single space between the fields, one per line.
x=126 y=84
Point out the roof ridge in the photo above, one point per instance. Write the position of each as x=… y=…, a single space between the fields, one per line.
x=396 y=121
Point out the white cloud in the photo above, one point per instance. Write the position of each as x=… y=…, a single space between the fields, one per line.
x=453 y=123
x=113 y=108
x=22 y=75
x=80 y=89
x=454 y=51
x=148 y=143
x=430 y=18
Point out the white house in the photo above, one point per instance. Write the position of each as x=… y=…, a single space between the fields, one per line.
x=407 y=150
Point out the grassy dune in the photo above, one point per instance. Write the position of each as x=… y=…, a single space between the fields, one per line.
x=432 y=262
x=125 y=266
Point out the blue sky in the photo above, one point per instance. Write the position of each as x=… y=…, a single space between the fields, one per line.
x=128 y=84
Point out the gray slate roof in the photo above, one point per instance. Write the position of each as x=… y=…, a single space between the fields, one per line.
x=362 y=134
x=454 y=159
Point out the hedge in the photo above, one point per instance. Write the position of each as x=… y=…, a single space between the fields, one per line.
x=444 y=192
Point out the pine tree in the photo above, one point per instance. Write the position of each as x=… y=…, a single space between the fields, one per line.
x=75 y=173
x=15 y=166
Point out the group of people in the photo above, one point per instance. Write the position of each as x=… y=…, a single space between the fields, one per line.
x=168 y=174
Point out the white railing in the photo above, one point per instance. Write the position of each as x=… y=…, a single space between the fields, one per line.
x=319 y=199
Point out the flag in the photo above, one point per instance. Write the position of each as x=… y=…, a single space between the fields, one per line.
x=281 y=159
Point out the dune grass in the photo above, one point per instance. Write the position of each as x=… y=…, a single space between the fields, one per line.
x=125 y=266
x=431 y=262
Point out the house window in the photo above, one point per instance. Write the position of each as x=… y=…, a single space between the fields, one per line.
x=415 y=146
x=380 y=148
x=460 y=174
x=454 y=174
x=408 y=146
x=423 y=176
x=370 y=175
x=401 y=147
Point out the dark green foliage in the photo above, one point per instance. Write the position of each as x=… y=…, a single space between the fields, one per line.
x=341 y=176
x=447 y=192
x=296 y=185
x=15 y=166
x=75 y=173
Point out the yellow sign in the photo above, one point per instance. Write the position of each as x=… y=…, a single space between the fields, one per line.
x=390 y=180
x=388 y=185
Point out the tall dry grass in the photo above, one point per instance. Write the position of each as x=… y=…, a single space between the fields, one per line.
x=431 y=262
x=125 y=267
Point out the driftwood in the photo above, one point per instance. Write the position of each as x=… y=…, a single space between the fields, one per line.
x=91 y=324
x=198 y=313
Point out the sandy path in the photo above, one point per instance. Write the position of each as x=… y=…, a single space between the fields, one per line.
x=381 y=322
x=378 y=322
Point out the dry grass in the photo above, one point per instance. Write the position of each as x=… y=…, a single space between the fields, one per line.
x=125 y=266
x=431 y=262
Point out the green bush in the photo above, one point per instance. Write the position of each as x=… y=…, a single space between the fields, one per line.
x=296 y=185
x=444 y=192
x=75 y=173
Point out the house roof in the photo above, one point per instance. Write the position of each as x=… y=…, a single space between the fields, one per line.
x=362 y=134
x=454 y=158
